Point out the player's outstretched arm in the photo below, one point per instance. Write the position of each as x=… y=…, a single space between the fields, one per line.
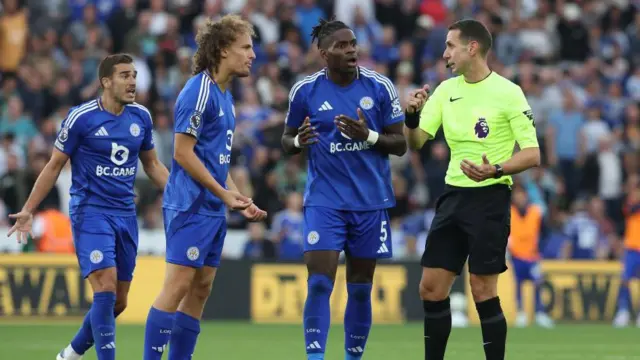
x=155 y=169
x=185 y=156
x=45 y=182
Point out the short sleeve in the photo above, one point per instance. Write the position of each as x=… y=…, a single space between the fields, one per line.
x=390 y=105
x=71 y=132
x=190 y=108
x=147 y=142
x=297 y=107
x=522 y=121
x=431 y=115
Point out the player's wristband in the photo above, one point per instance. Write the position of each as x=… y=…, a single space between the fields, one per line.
x=372 y=139
x=411 y=120
x=296 y=142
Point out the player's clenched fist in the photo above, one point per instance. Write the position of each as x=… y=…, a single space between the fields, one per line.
x=236 y=201
x=417 y=99
x=307 y=134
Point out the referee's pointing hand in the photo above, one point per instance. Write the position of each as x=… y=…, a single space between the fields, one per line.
x=480 y=172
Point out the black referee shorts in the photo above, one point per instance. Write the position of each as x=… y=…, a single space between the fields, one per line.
x=473 y=223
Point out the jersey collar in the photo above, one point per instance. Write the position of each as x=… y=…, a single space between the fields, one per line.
x=100 y=106
x=207 y=74
x=326 y=73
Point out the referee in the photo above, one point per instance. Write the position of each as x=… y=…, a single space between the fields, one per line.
x=483 y=115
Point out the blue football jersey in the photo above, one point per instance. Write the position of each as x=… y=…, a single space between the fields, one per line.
x=205 y=112
x=104 y=150
x=342 y=173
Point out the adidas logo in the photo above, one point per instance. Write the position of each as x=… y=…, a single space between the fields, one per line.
x=383 y=249
x=325 y=106
x=159 y=349
x=314 y=345
x=101 y=132
x=221 y=113
x=356 y=349
x=110 y=345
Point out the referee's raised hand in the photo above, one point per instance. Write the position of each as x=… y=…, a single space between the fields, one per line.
x=480 y=172
x=417 y=99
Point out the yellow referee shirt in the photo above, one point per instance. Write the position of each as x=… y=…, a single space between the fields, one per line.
x=487 y=117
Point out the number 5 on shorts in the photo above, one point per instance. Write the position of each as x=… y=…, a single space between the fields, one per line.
x=383 y=231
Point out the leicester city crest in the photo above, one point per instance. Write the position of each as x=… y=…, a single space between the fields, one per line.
x=134 y=129
x=482 y=128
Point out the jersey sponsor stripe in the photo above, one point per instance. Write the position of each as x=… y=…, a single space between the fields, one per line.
x=391 y=90
x=73 y=116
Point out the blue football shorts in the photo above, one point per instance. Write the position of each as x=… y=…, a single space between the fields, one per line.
x=360 y=234
x=103 y=241
x=194 y=240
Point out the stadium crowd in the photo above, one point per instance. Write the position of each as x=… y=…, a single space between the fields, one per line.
x=578 y=62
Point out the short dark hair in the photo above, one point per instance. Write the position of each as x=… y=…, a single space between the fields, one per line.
x=474 y=30
x=108 y=64
x=214 y=36
x=326 y=28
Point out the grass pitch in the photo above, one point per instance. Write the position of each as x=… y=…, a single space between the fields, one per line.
x=243 y=341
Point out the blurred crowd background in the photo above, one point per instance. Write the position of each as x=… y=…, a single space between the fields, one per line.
x=578 y=63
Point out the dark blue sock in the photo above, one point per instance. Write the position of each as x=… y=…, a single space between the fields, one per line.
x=157 y=333
x=539 y=307
x=183 y=337
x=624 y=298
x=317 y=315
x=357 y=320
x=103 y=324
x=83 y=340
x=519 y=294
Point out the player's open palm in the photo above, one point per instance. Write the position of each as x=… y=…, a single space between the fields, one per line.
x=24 y=220
x=417 y=98
x=236 y=201
x=254 y=213
x=307 y=134
x=354 y=129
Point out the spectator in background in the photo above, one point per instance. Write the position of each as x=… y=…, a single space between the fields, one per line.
x=51 y=232
x=566 y=144
x=15 y=121
x=258 y=246
x=286 y=229
x=587 y=232
x=13 y=35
